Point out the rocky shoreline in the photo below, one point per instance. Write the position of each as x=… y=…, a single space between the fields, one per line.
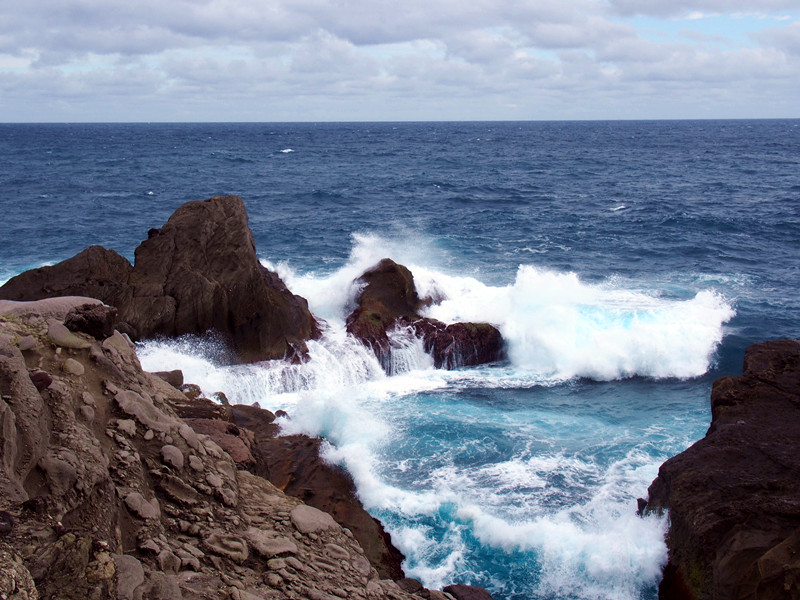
x=733 y=498
x=117 y=483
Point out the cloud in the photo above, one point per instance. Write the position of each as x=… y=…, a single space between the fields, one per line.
x=343 y=59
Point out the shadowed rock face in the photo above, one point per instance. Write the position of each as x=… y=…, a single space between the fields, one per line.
x=734 y=496
x=388 y=299
x=198 y=272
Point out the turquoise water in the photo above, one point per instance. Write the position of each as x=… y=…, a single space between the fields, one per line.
x=627 y=264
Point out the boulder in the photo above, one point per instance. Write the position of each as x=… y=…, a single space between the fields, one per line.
x=96 y=320
x=388 y=299
x=733 y=496
x=198 y=272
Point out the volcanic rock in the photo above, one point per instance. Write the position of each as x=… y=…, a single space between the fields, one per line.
x=198 y=272
x=388 y=300
x=732 y=497
x=97 y=514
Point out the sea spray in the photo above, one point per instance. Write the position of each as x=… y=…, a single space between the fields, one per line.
x=495 y=469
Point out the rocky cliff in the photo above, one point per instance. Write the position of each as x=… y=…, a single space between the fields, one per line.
x=106 y=492
x=198 y=272
x=733 y=498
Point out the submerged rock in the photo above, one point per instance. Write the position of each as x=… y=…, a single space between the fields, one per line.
x=198 y=272
x=733 y=496
x=388 y=299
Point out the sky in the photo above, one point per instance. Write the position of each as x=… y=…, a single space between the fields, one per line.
x=417 y=60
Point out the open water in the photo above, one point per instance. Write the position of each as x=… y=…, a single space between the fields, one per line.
x=627 y=264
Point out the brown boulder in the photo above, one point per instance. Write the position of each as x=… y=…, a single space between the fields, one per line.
x=388 y=299
x=199 y=272
x=733 y=496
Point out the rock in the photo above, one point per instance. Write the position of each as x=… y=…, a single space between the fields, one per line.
x=142 y=508
x=174 y=377
x=230 y=546
x=6 y=523
x=308 y=519
x=127 y=426
x=16 y=582
x=61 y=336
x=41 y=379
x=229 y=437
x=27 y=343
x=96 y=320
x=388 y=299
x=169 y=562
x=199 y=272
x=172 y=455
x=73 y=367
x=95 y=273
x=130 y=575
x=268 y=545
x=467 y=592
x=732 y=496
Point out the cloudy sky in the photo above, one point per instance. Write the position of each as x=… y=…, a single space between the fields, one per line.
x=365 y=60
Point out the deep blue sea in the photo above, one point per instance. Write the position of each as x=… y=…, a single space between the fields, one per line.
x=627 y=264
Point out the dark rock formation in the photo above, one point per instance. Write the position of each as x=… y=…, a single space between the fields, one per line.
x=388 y=299
x=734 y=496
x=105 y=492
x=198 y=272
x=467 y=592
x=97 y=320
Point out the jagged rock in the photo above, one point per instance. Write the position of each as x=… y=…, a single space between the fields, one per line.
x=16 y=582
x=174 y=377
x=41 y=379
x=96 y=320
x=732 y=496
x=388 y=299
x=198 y=272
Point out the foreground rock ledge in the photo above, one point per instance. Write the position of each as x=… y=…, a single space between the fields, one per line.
x=198 y=272
x=734 y=496
x=105 y=492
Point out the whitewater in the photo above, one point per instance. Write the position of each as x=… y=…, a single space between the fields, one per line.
x=455 y=477
x=628 y=265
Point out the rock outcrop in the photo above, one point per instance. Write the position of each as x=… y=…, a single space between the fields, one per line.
x=388 y=300
x=105 y=492
x=198 y=272
x=734 y=496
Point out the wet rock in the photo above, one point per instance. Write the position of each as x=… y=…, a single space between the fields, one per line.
x=732 y=496
x=388 y=300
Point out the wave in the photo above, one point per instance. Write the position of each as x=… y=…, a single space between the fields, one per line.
x=555 y=325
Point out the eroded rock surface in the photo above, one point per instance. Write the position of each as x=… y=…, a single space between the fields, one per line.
x=105 y=507
x=734 y=496
x=198 y=272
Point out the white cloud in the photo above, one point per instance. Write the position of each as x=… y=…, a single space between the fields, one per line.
x=301 y=59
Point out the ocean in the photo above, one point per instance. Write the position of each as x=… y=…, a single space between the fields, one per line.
x=627 y=265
